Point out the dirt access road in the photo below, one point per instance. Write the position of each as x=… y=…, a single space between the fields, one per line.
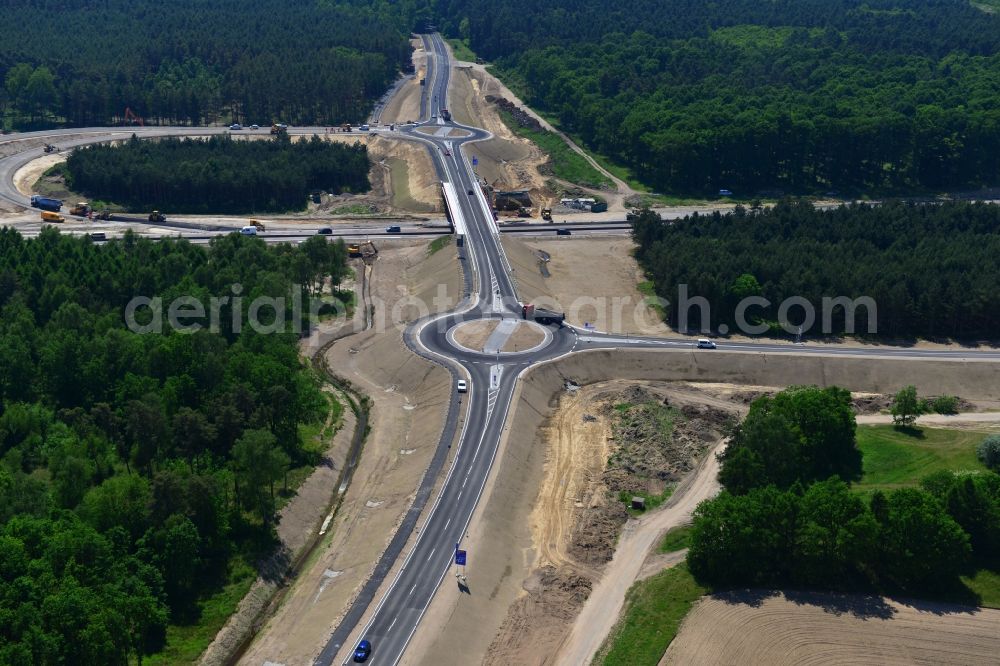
x=601 y=610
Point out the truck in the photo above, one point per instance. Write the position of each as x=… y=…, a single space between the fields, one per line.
x=279 y=128
x=547 y=214
x=541 y=316
x=259 y=225
x=49 y=216
x=446 y=114
x=157 y=216
x=45 y=203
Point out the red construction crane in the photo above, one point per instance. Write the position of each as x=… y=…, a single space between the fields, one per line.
x=129 y=115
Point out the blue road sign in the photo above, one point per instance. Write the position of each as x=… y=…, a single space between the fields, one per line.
x=475 y=160
x=460 y=557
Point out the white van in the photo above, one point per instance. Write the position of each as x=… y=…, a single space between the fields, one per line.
x=705 y=343
x=249 y=230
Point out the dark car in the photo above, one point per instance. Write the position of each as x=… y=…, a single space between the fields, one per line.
x=362 y=652
x=562 y=232
x=325 y=231
x=393 y=230
x=98 y=236
x=470 y=193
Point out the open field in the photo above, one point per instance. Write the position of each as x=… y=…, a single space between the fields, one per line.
x=895 y=458
x=797 y=628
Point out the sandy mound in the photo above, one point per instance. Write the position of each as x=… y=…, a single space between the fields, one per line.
x=832 y=629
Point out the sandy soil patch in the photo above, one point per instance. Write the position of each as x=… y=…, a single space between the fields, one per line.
x=26 y=177
x=405 y=104
x=474 y=334
x=410 y=398
x=506 y=161
x=800 y=628
x=525 y=336
x=590 y=279
x=534 y=567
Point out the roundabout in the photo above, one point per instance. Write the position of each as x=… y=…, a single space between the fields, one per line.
x=503 y=337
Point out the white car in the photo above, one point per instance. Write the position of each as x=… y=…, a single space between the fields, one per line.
x=705 y=343
x=249 y=231
x=253 y=127
x=236 y=126
x=462 y=386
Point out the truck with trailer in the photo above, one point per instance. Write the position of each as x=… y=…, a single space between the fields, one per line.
x=542 y=316
x=46 y=203
x=446 y=114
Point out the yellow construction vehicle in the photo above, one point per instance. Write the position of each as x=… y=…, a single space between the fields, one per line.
x=157 y=216
x=49 y=216
x=353 y=250
x=82 y=209
x=547 y=214
x=279 y=128
x=368 y=252
x=259 y=225
x=523 y=212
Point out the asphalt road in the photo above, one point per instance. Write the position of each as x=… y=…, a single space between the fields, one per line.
x=492 y=378
x=490 y=293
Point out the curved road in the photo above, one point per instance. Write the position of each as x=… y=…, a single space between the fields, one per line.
x=492 y=380
x=490 y=292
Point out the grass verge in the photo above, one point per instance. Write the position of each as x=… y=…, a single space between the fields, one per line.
x=438 y=244
x=566 y=163
x=676 y=539
x=186 y=643
x=897 y=458
x=401 y=197
x=654 y=609
x=653 y=301
x=986 y=584
x=460 y=49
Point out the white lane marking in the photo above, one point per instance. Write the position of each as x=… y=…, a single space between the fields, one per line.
x=447 y=523
x=431 y=554
x=411 y=589
x=393 y=623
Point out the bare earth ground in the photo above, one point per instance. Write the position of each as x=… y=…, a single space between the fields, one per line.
x=410 y=398
x=474 y=335
x=487 y=84
x=590 y=279
x=506 y=161
x=405 y=105
x=535 y=547
x=812 y=628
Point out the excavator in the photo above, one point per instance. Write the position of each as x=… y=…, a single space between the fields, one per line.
x=279 y=128
x=259 y=225
x=157 y=216
x=132 y=119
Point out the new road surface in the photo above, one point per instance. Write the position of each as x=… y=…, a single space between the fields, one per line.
x=490 y=292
